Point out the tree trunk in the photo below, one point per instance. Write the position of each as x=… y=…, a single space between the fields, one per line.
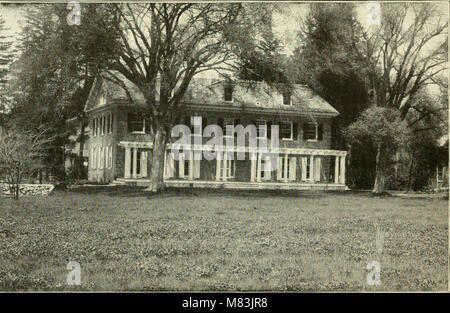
x=16 y=192
x=80 y=165
x=410 y=173
x=159 y=148
x=380 y=177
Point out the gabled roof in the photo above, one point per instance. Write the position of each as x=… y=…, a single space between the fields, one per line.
x=208 y=94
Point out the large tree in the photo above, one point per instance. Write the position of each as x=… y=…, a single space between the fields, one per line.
x=6 y=57
x=402 y=55
x=54 y=83
x=171 y=43
x=327 y=61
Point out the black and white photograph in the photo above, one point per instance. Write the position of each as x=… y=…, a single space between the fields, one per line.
x=207 y=147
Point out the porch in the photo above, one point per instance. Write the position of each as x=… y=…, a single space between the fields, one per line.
x=297 y=169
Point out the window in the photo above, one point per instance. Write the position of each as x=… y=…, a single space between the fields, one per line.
x=311 y=132
x=108 y=123
x=136 y=123
x=196 y=121
x=100 y=125
x=94 y=125
x=111 y=123
x=110 y=157
x=186 y=168
x=228 y=122
x=308 y=169
x=286 y=130
x=92 y=160
x=103 y=124
x=265 y=168
x=286 y=98
x=284 y=164
x=262 y=131
x=228 y=92
x=230 y=168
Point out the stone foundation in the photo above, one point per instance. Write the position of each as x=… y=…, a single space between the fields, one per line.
x=29 y=189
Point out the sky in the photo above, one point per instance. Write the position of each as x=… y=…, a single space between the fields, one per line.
x=286 y=23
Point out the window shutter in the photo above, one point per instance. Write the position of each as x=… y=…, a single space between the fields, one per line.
x=294 y=130
x=280 y=130
x=129 y=122
x=112 y=123
x=269 y=129
x=187 y=121
x=220 y=122
x=204 y=123
x=320 y=132
x=305 y=131
x=148 y=125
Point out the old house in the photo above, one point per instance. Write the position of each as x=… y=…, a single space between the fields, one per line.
x=120 y=142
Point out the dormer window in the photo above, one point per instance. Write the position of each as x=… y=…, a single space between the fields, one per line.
x=286 y=97
x=228 y=92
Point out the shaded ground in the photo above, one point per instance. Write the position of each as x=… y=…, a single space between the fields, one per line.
x=222 y=240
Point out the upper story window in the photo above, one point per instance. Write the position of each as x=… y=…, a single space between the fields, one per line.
x=94 y=127
x=262 y=131
x=103 y=126
x=228 y=122
x=312 y=132
x=136 y=123
x=286 y=130
x=286 y=97
x=228 y=92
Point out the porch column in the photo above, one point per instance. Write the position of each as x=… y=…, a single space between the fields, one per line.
x=253 y=165
x=342 y=178
x=336 y=169
x=285 y=174
x=191 y=165
x=311 y=168
x=127 y=162
x=165 y=165
x=134 y=175
x=218 y=166
x=258 y=169
x=224 y=166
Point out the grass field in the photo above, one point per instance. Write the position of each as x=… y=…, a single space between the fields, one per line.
x=203 y=240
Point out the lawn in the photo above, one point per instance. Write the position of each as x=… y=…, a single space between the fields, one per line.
x=200 y=240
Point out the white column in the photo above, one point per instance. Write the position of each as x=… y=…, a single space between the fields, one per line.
x=252 y=169
x=304 y=165
x=134 y=174
x=342 y=180
x=143 y=161
x=191 y=165
x=218 y=166
x=258 y=169
x=285 y=173
x=127 y=162
x=224 y=166
x=311 y=168
x=165 y=172
x=336 y=169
